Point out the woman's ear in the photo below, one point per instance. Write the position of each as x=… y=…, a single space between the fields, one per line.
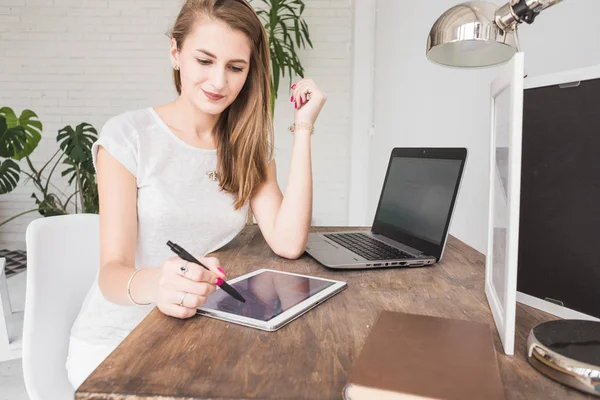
x=174 y=52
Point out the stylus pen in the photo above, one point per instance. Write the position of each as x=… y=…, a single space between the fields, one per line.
x=188 y=257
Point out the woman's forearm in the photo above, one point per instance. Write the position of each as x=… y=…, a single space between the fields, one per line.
x=113 y=280
x=292 y=223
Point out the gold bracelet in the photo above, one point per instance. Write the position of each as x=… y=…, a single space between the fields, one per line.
x=129 y=289
x=300 y=125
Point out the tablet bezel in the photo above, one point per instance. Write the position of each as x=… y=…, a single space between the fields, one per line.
x=285 y=317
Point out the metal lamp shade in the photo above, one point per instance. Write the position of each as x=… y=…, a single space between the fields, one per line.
x=466 y=36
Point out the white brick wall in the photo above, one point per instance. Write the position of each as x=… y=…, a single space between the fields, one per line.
x=86 y=60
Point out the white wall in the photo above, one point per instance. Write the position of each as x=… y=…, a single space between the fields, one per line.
x=363 y=70
x=329 y=65
x=86 y=60
x=418 y=103
x=563 y=37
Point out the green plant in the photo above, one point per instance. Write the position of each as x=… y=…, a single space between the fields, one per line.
x=76 y=145
x=18 y=138
x=75 y=153
x=287 y=31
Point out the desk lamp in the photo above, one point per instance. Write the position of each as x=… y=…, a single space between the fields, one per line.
x=481 y=34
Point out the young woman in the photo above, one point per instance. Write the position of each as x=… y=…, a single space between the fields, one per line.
x=188 y=171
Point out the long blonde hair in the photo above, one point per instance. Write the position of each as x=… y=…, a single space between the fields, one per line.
x=244 y=131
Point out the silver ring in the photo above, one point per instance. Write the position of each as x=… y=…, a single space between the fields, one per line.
x=182 y=297
x=184 y=268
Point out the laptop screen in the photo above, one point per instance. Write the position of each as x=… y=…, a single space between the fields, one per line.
x=418 y=198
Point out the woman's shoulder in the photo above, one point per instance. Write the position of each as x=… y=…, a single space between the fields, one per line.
x=121 y=136
x=131 y=121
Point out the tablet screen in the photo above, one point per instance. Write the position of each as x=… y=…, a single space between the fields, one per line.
x=267 y=295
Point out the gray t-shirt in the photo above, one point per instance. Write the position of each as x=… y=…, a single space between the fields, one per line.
x=177 y=201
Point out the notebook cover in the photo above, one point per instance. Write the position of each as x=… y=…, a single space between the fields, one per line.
x=430 y=357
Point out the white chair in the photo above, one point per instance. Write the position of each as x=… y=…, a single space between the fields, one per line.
x=63 y=257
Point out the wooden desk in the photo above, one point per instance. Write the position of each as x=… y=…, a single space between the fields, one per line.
x=203 y=358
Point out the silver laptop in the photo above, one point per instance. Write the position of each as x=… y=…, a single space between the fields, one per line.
x=412 y=218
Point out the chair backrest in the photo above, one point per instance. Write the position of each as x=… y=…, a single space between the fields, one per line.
x=63 y=257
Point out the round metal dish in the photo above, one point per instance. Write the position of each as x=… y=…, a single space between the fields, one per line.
x=567 y=351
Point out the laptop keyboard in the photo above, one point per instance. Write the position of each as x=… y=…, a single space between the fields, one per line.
x=367 y=247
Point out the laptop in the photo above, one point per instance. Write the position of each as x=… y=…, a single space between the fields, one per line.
x=412 y=219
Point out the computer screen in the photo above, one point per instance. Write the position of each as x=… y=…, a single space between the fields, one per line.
x=417 y=196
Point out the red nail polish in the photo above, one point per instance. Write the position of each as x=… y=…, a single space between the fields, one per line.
x=219 y=281
x=221 y=270
x=294 y=86
x=292 y=98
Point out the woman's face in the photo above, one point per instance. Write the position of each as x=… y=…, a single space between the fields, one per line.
x=213 y=62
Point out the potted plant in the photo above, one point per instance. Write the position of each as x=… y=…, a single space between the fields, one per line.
x=74 y=152
x=287 y=31
x=19 y=136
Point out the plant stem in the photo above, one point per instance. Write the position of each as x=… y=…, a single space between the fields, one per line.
x=69 y=199
x=273 y=98
x=49 y=161
x=16 y=216
x=35 y=176
x=79 y=186
x=52 y=170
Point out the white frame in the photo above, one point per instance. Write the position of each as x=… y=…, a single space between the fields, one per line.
x=285 y=317
x=564 y=77
x=502 y=300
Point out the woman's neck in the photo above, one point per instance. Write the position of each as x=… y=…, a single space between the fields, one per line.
x=194 y=121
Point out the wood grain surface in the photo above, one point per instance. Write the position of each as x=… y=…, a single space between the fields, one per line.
x=311 y=357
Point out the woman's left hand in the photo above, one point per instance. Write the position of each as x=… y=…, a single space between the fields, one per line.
x=308 y=100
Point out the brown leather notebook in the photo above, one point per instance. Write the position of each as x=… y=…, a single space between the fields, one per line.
x=408 y=356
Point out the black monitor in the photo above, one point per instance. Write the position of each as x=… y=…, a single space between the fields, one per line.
x=560 y=196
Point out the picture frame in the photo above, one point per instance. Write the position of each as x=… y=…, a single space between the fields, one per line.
x=506 y=106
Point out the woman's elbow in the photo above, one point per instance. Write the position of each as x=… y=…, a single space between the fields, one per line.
x=290 y=252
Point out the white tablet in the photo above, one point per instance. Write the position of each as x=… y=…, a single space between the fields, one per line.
x=273 y=298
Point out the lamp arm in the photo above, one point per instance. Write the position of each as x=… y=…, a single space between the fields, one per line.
x=516 y=11
x=527 y=10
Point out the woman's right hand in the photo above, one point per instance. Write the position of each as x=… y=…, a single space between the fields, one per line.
x=191 y=284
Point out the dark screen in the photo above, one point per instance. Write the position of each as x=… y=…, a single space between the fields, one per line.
x=560 y=196
x=267 y=295
x=417 y=196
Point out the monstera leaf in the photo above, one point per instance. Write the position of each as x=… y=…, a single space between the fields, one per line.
x=11 y=141
x=28 y=125
x=9 y=176
x=9 y=116
x=84 y=168
x=77 y=143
